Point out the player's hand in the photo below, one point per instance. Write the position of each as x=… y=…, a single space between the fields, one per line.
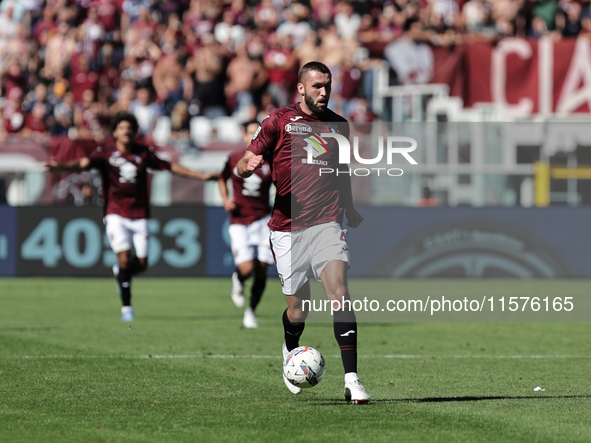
x=229 y=205
x=52 y=165
x=211 y=176
x=255 y=163
x=354 y=218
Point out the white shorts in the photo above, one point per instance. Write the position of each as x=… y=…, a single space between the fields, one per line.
x=251 y=241
x=123 y=231
x=305 y=253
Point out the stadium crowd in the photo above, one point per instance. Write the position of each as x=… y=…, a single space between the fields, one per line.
x=68 y=66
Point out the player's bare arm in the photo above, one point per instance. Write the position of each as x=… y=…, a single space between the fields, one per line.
x=79 y=164
x=229 y=204
x=181 y=171
x=248 y=164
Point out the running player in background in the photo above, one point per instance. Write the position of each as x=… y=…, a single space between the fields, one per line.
x=306 y=233
x=124 y=165
x=249 y=235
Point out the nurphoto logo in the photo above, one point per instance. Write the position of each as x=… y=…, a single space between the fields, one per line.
x=394 y=145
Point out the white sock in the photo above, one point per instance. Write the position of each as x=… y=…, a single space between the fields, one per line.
x=351 y=376
x=126 y=309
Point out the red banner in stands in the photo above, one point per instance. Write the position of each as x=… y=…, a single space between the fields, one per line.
x=526 y=76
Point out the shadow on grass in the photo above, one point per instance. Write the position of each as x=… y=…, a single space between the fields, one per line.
x=333 y=402
x=192 y=317
x=26 y=329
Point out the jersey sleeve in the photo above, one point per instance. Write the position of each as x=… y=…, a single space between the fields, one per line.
x=97 y=158
x=155 y=161
x=266 y=136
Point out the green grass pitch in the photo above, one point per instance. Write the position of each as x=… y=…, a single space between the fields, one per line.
x=186 y=370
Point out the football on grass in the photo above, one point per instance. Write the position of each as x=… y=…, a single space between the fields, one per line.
x=304 y=367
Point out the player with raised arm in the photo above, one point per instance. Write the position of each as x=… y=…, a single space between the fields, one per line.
x=306 y=234
x=124 y=165
x=249 y=212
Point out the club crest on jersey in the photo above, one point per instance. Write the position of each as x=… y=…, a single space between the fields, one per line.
x=116 y=159
x=315 y=147
x=333 y=128
x=298 y=128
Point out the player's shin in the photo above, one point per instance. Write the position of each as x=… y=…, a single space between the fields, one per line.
x=345 y=331
x=124 y=281
x=257 y=292
x=293 y=332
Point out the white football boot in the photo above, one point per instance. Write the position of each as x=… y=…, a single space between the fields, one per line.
x=250 y=319
x=127 y=313
x=237 y=291
x=293 y=389
x=355 y=393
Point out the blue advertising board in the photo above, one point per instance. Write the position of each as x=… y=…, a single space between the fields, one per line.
x=8 y=241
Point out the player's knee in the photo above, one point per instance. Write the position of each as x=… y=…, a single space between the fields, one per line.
x=339 y=292
x=142 y=264
x=296 y=315
x=123 y=260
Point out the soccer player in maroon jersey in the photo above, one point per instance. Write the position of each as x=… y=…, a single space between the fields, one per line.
x=249 y=234
x=306 y=234
x=124 y=165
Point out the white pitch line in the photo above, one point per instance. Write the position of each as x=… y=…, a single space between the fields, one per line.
x=230 y=356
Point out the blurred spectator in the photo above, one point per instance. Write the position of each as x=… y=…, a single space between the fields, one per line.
x=227 y=32
x=309 y=50
x=12 y=116
x=281 y=65
x=170 y=80
x=45 y=26
x=8 y=25
x=106 y=12
x=207 y=64
x=35 y=126
x=568 y=18
x=266 y=16
x=64 y=114
x=92 y=31
x=125 y=94
x=245 y=76
x=180 y=120
x=295 y=24
x=165 y=8
x=140 y=62
x=347 y=21
x=12 y=77
x=146 y=111
x=87 y=116
x=83 y=78
x=60 y=48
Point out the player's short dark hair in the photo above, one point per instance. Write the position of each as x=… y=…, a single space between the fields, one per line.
x=313 y=66
x=247 y=123
x=124 y=117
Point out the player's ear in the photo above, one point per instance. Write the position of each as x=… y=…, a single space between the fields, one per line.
x=301 y=88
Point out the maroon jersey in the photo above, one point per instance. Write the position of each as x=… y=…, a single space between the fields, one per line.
x=304 y=197
x=125 y=177
x=251 y=195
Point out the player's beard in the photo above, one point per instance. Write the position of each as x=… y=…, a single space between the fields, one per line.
x=316 y=110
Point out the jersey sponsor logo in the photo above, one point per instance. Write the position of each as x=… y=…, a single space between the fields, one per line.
x=315 y=147
x=298 y=128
